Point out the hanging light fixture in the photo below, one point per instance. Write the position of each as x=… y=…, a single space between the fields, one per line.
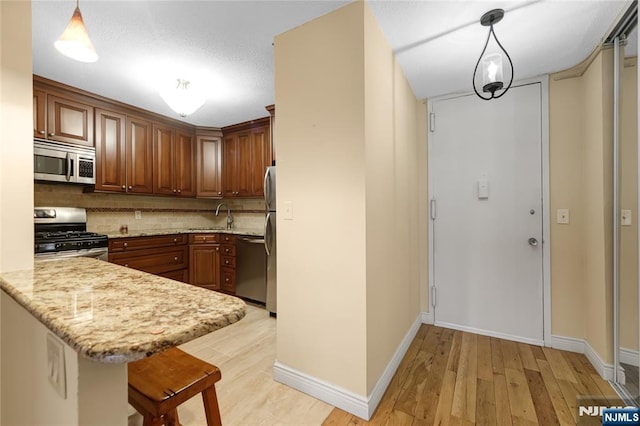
x=75 y=42
x=182 y=99
x=492 y=64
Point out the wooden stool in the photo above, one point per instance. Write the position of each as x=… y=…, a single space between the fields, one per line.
x=158 y=384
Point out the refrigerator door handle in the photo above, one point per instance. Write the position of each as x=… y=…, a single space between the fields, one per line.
x=267 y=234
x=267 y=188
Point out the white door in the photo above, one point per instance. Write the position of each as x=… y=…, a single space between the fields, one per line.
x=485 y=177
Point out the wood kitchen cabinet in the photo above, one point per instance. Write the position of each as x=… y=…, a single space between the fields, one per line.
x=63 y=117
x=164 y=255
x=124 y=153
x=209 y=166
x=174 y=159
x=204 y=261
x=246 y=154
x=228 y=263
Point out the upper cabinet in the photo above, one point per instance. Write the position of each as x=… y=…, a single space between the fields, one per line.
x=63 y=117
x=174 y=158
x=209 y=164
x=246 y=154
x=124 y=153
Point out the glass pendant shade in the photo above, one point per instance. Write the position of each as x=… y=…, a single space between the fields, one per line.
x=492 y=75
x=75 y=42
x=182 y=99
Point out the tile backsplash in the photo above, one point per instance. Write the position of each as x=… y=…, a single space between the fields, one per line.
x=106 y=212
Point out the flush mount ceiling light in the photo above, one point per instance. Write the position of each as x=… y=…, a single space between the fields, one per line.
x=182 y=99
x=492 y=64
x=75 y=42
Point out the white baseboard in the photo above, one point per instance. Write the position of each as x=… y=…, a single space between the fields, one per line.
x=490 y=333
x=629 y=356
x=581 y=346
x=337 y=396
x=427 y=317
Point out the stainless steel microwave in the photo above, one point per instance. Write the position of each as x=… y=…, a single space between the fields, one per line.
x=60 y=162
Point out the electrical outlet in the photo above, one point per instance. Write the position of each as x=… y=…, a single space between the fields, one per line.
x=138 y=214
x=56 y=371
x=563 y=216
x=625 y=217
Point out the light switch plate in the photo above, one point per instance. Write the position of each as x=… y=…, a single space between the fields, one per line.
x=138 y=214
x=55 y=366
x=563 y=216
x=287 y=213
x=625 y=217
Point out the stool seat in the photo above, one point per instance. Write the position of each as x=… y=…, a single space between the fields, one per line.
x=158 y=384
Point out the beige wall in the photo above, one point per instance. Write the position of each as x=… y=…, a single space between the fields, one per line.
x=580 y=110
x=348 y=159
x=629 y=200
x=16 y=147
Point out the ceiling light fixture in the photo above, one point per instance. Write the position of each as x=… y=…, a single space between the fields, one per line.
x=182 y=99
x=492 y=66
x=75 y=42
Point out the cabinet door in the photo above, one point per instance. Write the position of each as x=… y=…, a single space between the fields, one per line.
x=209 y=168
x=39 y=118
x=204 y=266
x=110 y=151
x=163 y=170
x=243 y=166
x=260 y=159
x=139 y=156
x=229 y=162
x=69 y=121
x=185 y=159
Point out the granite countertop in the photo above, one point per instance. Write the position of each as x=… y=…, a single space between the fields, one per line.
x=152 y=232
x=114 y=314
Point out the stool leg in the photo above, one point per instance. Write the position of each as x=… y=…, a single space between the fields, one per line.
x=171 y=418
x=149 y=420
x=211 y=409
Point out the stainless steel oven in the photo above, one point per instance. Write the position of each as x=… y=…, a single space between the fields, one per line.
x=60 y=162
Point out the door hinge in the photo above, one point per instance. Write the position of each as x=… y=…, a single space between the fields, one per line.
x=432 y=208
x=432 y=122
x=433 y=296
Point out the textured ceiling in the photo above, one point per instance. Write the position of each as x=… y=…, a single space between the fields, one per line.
x=225 y=47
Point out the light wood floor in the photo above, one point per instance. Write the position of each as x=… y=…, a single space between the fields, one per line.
x=453 y=377
x=248 y=395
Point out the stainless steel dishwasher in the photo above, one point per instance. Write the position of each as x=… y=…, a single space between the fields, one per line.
x=251 y=269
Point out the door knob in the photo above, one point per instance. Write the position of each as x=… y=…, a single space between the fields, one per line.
x=533 y=241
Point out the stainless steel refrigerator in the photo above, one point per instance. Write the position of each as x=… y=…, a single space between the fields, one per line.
x=270 y=237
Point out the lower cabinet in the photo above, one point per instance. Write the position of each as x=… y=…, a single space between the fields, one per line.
x=166 y=255
x=204 y=265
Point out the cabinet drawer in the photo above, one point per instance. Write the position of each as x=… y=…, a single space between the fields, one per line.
x=228 y=262
x=155 y=261
x=135 y=243
x=227 y=238
x=228 y=281
x=179 y=275
x=228 y=250
x=203 y=238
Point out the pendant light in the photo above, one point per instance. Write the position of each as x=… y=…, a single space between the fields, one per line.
x=493 y=63
x=75 y=42
x=182 y=99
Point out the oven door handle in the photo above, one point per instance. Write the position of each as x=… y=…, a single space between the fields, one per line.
x=68 y=167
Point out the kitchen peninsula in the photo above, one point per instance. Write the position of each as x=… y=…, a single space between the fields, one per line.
x=106 y=315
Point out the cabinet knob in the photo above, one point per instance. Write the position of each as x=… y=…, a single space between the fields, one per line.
x=124 y=245
x=175 y=258
x=226 y=262
x=178 y=191
x=124 y=187
x=41 y=132
x=217 y=248
x=174 y=191
x=219 y=193
x=130 y=187
x=52 y=134
x=226 y=280
x=227 y=250
x=126 y=265
x=175 y=240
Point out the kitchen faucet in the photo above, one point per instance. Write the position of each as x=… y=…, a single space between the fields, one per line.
x=229 y=217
